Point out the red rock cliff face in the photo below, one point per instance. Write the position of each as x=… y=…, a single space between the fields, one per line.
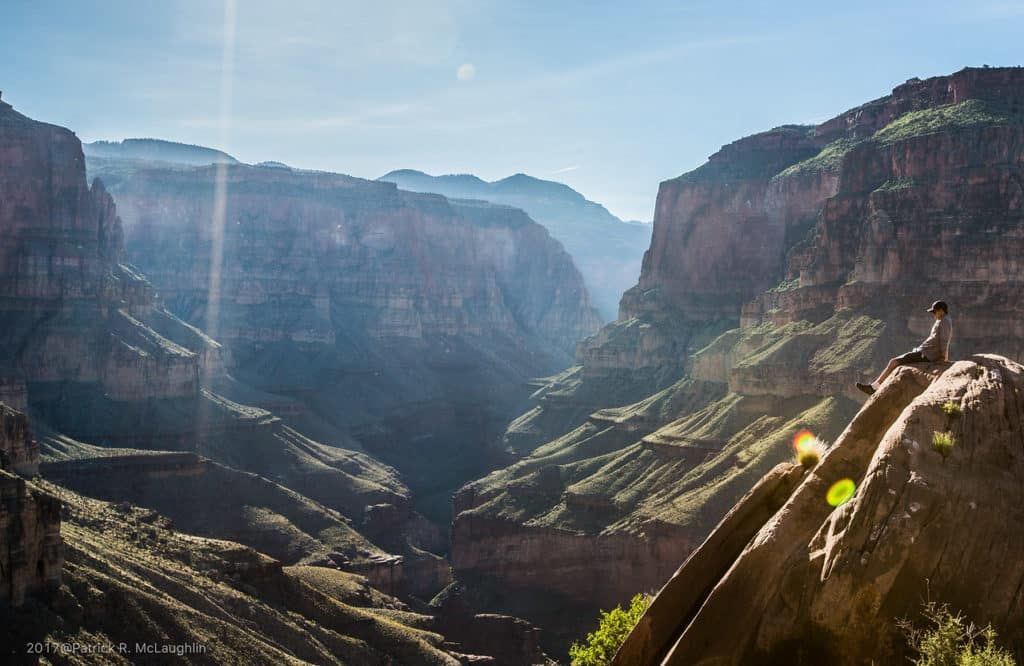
x=816 y=251
x=720 y=231
x=73 y=311
x=309 y=256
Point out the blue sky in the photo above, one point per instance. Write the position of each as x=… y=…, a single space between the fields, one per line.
x=609 y=97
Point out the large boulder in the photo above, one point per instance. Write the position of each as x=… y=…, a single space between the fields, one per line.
x=818 y=584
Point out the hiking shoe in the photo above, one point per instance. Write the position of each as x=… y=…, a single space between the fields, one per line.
x=866 y=388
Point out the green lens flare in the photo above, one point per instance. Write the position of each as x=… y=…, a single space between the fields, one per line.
x=840 y=492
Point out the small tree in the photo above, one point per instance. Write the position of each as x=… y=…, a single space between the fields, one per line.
x=613 y=627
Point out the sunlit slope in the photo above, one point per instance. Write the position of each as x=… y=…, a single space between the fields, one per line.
x=130 y=578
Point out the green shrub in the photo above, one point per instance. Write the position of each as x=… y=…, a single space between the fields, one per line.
x=613 y=627
x=943 y=442
x=950 y=640
x=810 y=452
x=950 y=408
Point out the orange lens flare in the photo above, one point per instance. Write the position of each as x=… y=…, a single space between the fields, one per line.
x=804 y=440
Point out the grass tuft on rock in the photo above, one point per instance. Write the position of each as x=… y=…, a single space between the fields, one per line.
x=950 y=408
x=811 y=453
x=943 y=443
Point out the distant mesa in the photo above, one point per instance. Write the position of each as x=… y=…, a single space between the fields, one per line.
x=475 y=187
x=270 y=164
x=157 y=150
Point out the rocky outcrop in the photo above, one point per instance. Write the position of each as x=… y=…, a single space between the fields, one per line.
x=31 y=553
x=606 y=249
x=19 y=453
x=657 y=628
x=31 y=549
x=794 y=263
x=827 y=585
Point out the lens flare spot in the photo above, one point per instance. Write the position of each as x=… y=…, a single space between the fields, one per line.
x=803 y=440
x=809 y=449
x=840 y=492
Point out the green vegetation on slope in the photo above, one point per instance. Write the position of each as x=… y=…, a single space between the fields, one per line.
x=969 y=113
x=613 y=627
x=840 y=342
x=949 y=639
x=829 y=159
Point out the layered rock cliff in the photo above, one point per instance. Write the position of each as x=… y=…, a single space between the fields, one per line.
x=794 y=263
x=606 y=249
x=799 y=580
x=408 y=321
x=73 y=309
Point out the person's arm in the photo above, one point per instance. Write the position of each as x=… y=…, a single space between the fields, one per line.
x=947 y=338
x=930 y=347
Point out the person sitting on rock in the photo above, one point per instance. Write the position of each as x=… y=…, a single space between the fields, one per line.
x=934 y=348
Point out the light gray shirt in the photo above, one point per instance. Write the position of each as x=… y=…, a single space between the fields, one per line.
x=936 y=346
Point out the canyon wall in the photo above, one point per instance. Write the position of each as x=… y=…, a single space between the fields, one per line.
x=794 y=263
x=89 y=349
x=73 y=309
x=606 y=249
x=410 y=322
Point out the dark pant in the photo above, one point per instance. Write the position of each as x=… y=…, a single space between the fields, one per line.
x=911 y=357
